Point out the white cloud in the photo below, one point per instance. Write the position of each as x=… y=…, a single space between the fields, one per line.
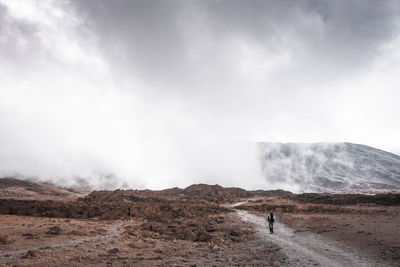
x=161 y=94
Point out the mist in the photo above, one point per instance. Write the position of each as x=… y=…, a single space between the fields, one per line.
x=150 y=94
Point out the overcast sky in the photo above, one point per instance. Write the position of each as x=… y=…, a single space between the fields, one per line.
x=168 y=93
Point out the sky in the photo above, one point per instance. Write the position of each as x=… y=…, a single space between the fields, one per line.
x=155 y=94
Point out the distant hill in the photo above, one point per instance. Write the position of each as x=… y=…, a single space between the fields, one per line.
x=214 y=193
x=298 y=167
x=330 y=166
x=13 y=188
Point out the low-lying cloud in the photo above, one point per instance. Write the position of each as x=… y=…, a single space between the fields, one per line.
x=161 y=94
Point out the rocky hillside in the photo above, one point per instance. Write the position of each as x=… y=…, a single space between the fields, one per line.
x=213 y=193
x=329 y=166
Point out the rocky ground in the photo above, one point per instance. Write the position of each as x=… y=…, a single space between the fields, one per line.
x=132 y=227
x=196 y=226
x=64 y=242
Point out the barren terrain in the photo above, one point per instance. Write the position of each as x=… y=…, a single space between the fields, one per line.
x=29 y=241
x=197 y=226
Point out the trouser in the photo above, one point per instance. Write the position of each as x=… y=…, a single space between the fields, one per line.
x=271 y=228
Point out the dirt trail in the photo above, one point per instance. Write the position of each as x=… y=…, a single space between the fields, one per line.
x=305 y=249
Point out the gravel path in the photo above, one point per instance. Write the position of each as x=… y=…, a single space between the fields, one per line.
x=304 y=249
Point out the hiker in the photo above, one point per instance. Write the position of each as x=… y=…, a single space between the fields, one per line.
x=271 y=220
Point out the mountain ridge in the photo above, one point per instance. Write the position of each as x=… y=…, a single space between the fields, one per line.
x=323 y=167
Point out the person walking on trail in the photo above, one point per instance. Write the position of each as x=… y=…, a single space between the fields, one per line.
x=271 y=220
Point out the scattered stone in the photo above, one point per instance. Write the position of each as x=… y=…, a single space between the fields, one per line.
x=28 y=235
x=203 y=237
x=189 y=235
x=31 y=253
x=4 y=240
x=113 y=251
x=234 y=232
x=54 y=230
x=77 y=233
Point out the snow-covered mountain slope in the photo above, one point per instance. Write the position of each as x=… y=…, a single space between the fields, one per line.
x=329 y=166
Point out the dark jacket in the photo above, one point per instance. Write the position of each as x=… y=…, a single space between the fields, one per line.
x=270 y=219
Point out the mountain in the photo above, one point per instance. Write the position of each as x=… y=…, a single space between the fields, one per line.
x=329 y=166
